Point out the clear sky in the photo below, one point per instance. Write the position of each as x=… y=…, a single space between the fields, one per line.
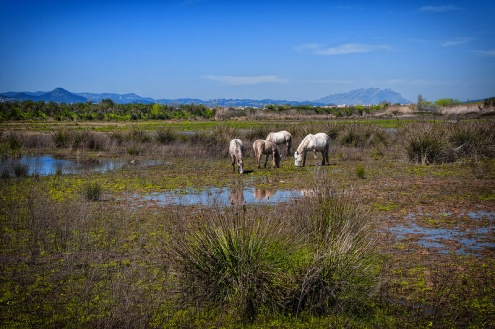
x=281 y=49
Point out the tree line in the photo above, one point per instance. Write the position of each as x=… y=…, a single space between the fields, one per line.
x=108 y=110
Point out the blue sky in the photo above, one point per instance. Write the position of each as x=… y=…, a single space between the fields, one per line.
x=281 y=49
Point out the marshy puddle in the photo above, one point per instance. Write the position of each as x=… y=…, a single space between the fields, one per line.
x=45 y=165
x=462 y=242
x=218 y=196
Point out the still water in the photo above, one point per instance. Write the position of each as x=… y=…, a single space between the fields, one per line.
x=48 y=165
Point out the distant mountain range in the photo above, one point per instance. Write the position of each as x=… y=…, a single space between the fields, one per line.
x=354 y=97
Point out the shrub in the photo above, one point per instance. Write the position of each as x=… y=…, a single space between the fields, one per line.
x=20 y=169
x=234 y=262
x=473 y=139
x=62 y=138
x=425 y=143
x=342 y=270
x=92 y=191
x=166 y=135
x=359 y=135
x=360 y=172
x=139 y=135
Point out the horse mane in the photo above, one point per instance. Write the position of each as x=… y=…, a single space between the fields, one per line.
x=304 y=143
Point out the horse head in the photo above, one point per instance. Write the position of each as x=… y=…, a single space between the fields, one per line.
x=240 y=164
x=298 y=159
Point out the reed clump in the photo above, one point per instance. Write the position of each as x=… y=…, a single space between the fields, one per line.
x=441 y=142
x=317 y=258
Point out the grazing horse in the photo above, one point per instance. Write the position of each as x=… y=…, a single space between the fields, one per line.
x=281 y=137
x=316 y=143
x=267 y=148
x=236 y=151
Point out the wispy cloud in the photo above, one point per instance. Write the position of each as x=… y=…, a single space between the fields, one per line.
x=439 y=9
x=456 y=42
x=348 y=48
x=487 y=53
x=245 y=80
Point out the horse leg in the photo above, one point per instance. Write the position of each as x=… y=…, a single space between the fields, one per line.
x=266 y=159
x=304 y=158
x=233 y=163
x=258 y=159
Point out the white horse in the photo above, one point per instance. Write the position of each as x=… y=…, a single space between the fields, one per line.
x=236 y=151
x=267 y=148
x=316 y=143
x=281 y=137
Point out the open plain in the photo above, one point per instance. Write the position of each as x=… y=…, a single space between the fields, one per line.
x=135 y=245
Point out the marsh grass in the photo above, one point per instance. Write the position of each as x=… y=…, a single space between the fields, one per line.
x=360 y=172
x=313 y=262
x=93 y=191
x=441 y=142
x=425 y=143
x=317 y=258
x=166 y=135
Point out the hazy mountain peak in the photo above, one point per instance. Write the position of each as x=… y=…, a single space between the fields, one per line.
x=364 y=96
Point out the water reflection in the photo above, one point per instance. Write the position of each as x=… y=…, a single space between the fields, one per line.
x=263 y=193
x=235 y=195
x=48 y=165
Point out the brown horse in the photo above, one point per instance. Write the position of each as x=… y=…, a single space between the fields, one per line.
x=262 y=147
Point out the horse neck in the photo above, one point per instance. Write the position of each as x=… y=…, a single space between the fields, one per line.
x=302 y=147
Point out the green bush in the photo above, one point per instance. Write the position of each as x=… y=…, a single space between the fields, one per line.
x=425 y=143
x=360 y=172
x=166 y=135
x=62 y=138
x=233 y=262
x=92 y=191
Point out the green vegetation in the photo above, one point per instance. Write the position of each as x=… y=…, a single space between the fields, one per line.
x=107 y=110
x=92 y=250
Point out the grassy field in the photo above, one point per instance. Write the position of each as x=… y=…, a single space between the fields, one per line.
x=397 y=231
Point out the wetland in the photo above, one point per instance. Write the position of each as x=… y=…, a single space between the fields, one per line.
x=142 y=225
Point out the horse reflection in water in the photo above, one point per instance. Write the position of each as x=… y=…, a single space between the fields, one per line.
x=262 y=193
x=236 y=197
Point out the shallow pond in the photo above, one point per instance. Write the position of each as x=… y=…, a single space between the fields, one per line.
x=217 y=196
x=461 y=242
x=48 y=165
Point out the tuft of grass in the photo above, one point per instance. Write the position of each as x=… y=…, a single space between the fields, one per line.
x=20 y=169
x=360 y=172
x=166 y=135
x=425 y=143
x=93 y=191
x=62 y=138
x=233 y=262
